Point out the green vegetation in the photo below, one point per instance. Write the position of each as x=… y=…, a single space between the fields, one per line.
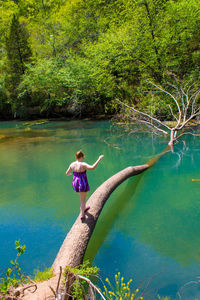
x=80 y=286
x=13 y=276
x=121 y=290
x=43 y=275
x=74 y=57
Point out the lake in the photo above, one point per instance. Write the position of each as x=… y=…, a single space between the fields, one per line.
x=149 y=229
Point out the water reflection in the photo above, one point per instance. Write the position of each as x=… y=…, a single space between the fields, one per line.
x=161 y=216
x=107 y=218
x=151 y=218
x=166 y=214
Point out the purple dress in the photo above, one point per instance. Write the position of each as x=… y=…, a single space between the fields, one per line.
x=80 y=182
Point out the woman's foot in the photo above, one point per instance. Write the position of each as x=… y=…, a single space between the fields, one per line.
x=87 y=208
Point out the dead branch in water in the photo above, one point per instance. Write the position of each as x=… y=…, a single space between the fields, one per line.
x=184 y=108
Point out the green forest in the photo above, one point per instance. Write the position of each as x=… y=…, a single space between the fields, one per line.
x=75 y=57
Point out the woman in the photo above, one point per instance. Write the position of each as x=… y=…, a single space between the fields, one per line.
x=80 y=182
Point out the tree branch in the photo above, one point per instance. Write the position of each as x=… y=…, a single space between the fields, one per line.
x=166 y=92
x=172 y=113
x=92 y=285
x=144 y=114
x=152 y=125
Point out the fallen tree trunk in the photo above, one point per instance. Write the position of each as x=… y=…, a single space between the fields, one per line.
x=74 y=246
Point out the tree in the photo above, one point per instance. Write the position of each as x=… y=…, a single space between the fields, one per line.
x=18 y=55
x=124 y=42
x=179 y=38
x=18 y=51
x=184 y=106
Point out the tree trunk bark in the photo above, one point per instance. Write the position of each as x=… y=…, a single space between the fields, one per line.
x=172 y=138
x=74 y=246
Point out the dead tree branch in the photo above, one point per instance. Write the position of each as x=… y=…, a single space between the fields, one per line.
x=92 y=285
x=184 y=108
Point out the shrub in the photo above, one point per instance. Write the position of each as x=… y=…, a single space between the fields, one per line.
x=80 y=286
x=120 y=290
x=43 y=275
x=13 y=275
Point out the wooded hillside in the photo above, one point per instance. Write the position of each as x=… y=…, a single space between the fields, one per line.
x=73 y=57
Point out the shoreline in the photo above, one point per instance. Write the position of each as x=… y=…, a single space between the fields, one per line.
x=92 y=118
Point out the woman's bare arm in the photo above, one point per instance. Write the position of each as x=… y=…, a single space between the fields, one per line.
x=92 y=167
x=68 y=172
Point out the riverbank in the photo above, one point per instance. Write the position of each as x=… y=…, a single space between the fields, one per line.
x=58 y=117
x=70 y=110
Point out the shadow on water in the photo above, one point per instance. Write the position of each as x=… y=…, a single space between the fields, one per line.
x=108 y=218
x=118 y=205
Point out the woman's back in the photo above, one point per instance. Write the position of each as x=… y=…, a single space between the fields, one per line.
x=79 y=182
x=77 y=166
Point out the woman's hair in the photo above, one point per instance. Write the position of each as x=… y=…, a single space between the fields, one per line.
x=79 y=154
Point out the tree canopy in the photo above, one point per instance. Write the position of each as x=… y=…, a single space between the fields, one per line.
x=76 y=56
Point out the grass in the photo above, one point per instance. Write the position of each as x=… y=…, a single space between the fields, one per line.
x=43 y=275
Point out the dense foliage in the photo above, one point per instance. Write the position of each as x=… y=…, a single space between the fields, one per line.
x=74 y=57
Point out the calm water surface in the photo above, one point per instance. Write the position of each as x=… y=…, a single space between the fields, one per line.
x=149 y=229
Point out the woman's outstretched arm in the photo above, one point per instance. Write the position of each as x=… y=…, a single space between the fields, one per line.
x=92 y=167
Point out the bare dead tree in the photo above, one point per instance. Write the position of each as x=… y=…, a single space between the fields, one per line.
x=184 y=108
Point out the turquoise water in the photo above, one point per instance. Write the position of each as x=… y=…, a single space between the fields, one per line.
x=149 y=229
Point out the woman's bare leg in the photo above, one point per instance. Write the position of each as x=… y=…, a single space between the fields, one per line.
x=83 y=196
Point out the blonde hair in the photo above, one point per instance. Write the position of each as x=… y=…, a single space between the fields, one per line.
x=79 y=154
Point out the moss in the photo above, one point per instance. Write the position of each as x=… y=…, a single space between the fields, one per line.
x=43 y=275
